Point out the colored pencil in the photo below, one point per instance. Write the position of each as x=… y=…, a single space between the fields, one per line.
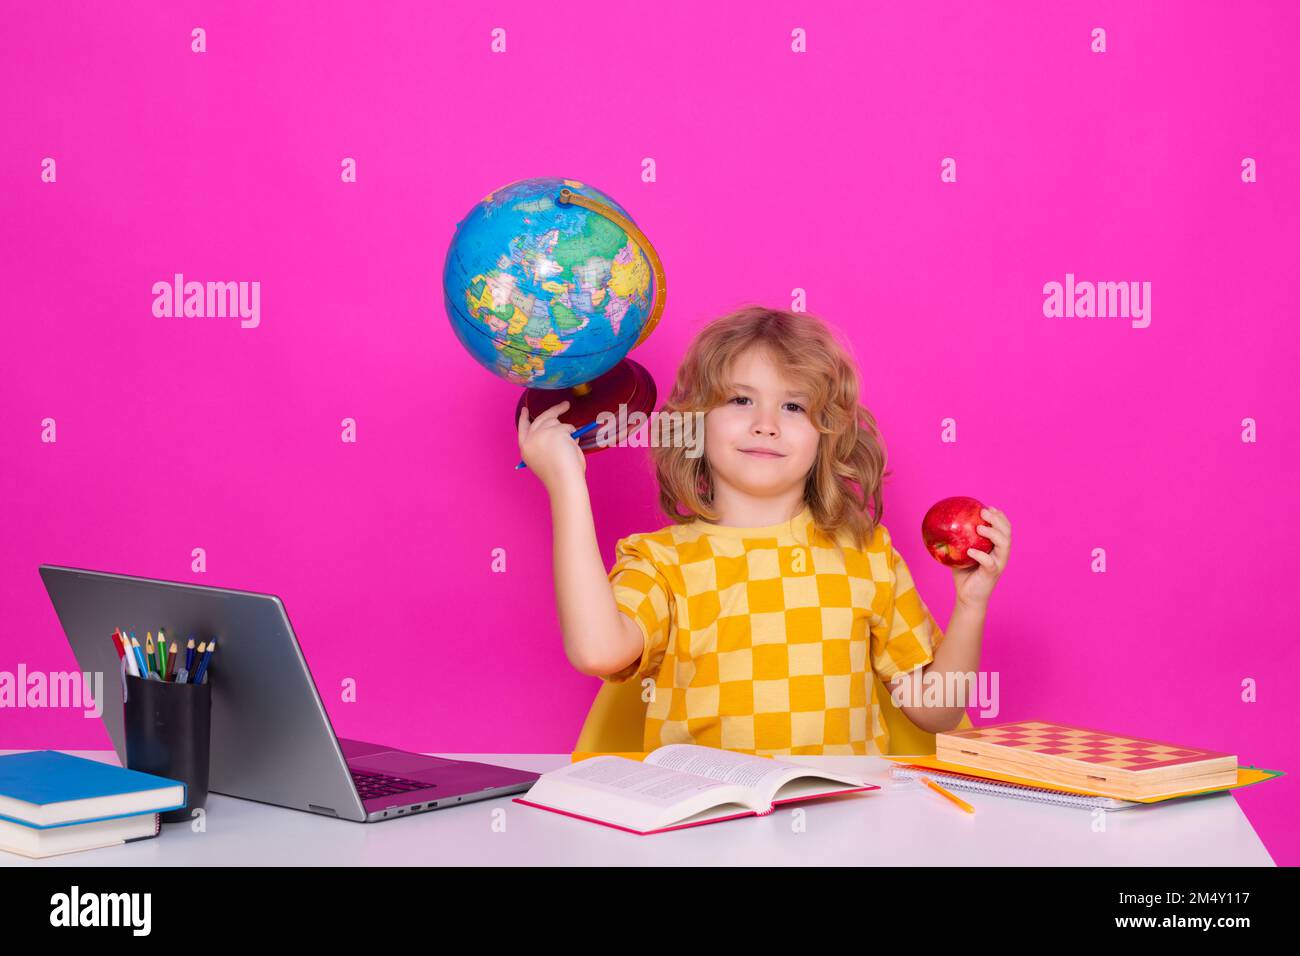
x=202 y=672
x=951 y=796
x=129 y=657
x=577 y=434
x=139 y=657
x=171 y=663
x=198 y=657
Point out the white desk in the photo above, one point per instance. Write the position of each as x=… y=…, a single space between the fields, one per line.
x=898 y=825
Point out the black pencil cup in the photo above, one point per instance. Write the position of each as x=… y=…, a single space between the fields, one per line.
x=168 y=733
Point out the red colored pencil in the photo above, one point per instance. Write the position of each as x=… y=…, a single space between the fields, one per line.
x=117 y=642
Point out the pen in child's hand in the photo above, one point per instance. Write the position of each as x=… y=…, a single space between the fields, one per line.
x=578 y=434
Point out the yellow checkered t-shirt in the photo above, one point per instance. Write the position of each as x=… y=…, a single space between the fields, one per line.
x=758 y=639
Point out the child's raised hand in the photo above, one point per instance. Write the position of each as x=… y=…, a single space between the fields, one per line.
x=548 y=449
x=975 y=585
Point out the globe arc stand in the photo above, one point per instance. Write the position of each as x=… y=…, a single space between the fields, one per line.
x=627 y=384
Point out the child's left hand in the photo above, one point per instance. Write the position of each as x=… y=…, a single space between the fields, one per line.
x=975 y=585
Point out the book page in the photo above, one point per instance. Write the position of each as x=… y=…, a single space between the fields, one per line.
x=804 y=787
x=726 y=765
x=633 y=779
x=631 y=793
x=763 y=775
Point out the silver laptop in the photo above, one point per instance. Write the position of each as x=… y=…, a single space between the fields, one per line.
x=272 y=740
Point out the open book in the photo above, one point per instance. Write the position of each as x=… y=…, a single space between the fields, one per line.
x=680 y=785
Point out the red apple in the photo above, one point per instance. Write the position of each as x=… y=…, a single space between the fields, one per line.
x=948 y=529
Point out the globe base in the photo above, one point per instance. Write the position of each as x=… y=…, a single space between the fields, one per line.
x=626 y=386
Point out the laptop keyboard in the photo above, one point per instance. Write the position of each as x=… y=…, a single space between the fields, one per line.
x=371 y=785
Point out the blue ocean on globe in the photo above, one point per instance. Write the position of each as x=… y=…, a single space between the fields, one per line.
x=543 y=294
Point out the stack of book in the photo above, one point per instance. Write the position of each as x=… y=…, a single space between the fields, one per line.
x=53 y=803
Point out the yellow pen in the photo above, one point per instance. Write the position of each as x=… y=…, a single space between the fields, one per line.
x=951 y=796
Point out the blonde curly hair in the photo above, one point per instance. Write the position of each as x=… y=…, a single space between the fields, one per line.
x=849 y=467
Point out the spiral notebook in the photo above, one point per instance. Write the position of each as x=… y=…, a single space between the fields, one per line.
x=1020 y=791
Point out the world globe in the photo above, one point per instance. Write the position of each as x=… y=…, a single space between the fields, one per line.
x=544 y=294
x=548 y=284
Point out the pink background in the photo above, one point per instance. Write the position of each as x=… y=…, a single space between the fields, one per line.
x=775 y=171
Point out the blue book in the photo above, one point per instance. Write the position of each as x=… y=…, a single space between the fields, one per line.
x=45 y=788
x=38 y=843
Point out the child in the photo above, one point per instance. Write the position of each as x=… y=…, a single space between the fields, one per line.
x=763 y=611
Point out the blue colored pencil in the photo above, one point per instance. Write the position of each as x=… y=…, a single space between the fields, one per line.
x=139 y=657
x=203 y=663
x=578 y=434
